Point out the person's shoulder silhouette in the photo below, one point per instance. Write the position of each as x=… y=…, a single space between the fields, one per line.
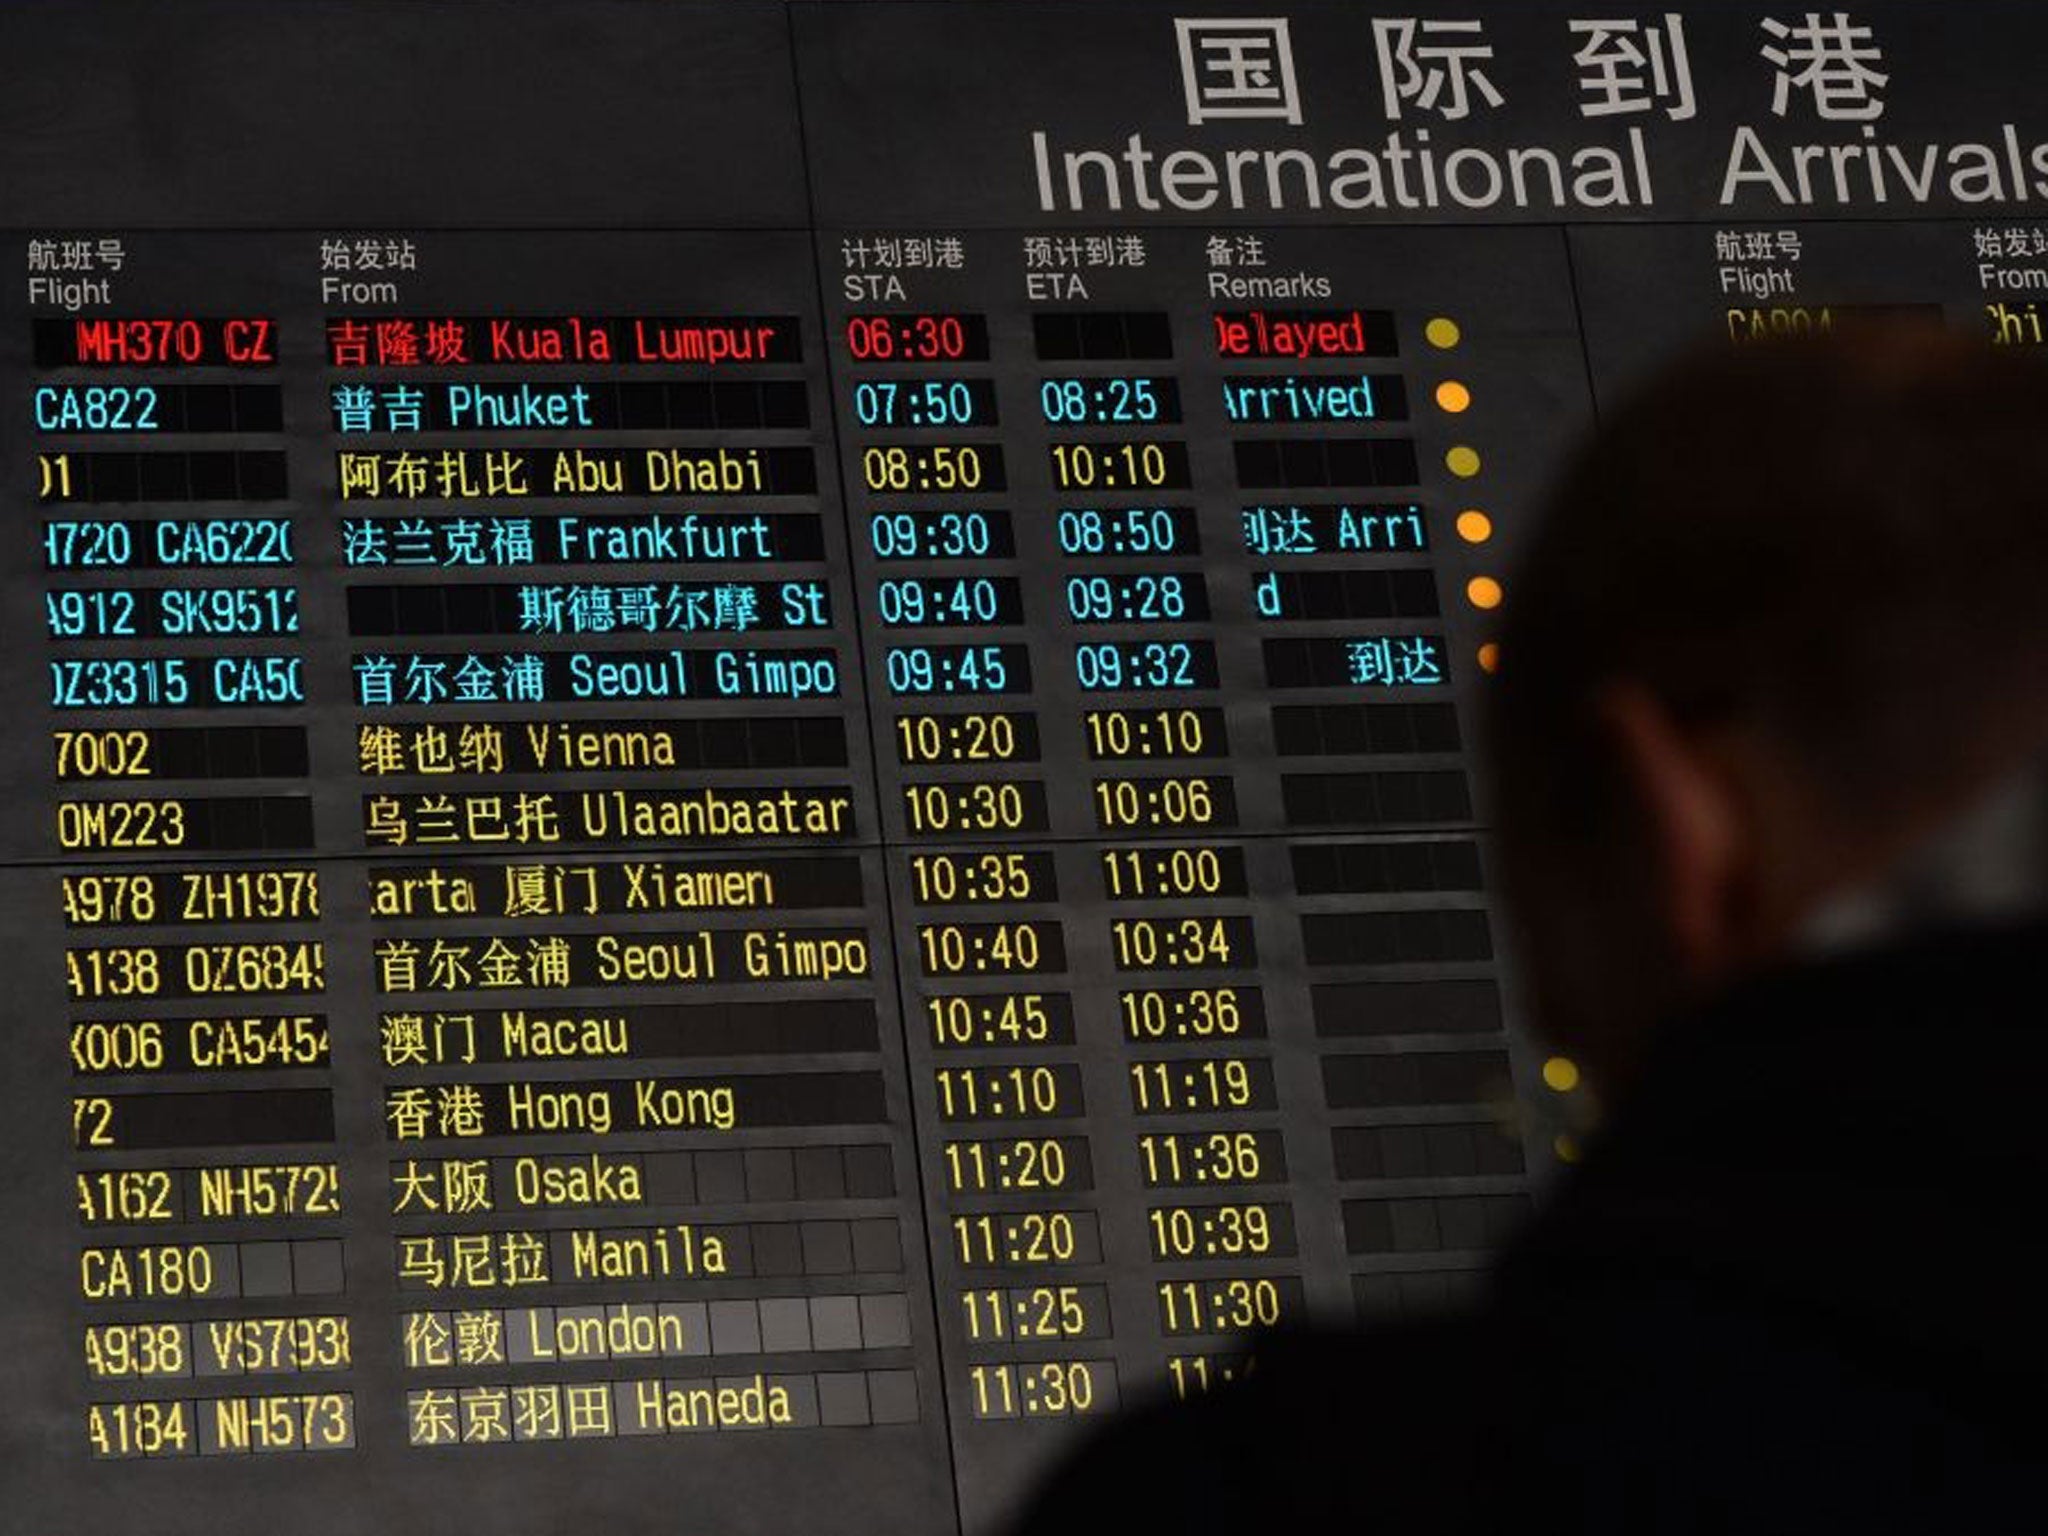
x=1769 y=706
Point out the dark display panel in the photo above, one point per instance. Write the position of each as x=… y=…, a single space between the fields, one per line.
x=743 y=735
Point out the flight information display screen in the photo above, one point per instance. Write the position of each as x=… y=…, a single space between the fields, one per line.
x=741 y=736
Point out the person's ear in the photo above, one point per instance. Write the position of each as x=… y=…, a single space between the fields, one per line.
x=1687 y=807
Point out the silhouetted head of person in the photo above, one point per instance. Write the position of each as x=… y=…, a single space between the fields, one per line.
x=1787 y=615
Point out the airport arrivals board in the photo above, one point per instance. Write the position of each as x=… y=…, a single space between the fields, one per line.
x=740 y=736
